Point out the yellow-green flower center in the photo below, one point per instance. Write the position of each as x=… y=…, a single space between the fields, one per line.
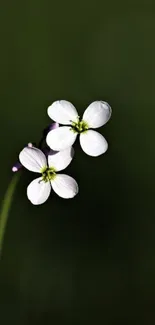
x=79 y=126
x=48 y=174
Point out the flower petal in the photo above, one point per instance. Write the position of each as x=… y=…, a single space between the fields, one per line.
x=93 y=143
x=61 y=159
x=61 y=138
x=97 y=114
x=38 y=191
x=33 y=159
x=65 y=186
x=62 y=112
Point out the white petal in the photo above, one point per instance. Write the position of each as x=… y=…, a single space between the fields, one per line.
x=33 y=159
x=93 y=143
x=62 y=112
x=65 y=186
x=61 y=138
x=61 y=159
x=97 y=114
x=38 y=191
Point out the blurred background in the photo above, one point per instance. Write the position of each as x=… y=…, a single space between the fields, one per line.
x=90 y=260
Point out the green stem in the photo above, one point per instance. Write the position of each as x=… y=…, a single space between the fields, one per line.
x=6 y=204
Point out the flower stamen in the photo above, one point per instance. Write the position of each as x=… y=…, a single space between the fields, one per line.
x=80 y=126
x=48 y=174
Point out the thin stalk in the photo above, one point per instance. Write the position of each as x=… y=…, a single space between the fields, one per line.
x=6 y=204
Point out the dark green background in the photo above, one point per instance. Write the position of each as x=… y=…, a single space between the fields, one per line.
x=90 y=260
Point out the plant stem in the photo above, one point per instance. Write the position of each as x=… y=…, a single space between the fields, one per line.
x=6 y=204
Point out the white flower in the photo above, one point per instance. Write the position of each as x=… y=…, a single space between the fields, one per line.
x=39 y=189
x=93 y=143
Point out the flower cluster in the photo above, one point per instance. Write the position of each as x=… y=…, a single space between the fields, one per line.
x=58 y=152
